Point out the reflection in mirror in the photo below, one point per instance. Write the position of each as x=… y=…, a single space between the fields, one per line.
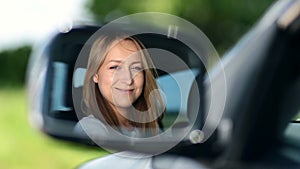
x=122 y=90
x=62 y=105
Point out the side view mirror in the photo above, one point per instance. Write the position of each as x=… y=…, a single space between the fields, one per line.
x=56 y=78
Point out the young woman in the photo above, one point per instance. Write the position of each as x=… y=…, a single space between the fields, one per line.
x=120 y=88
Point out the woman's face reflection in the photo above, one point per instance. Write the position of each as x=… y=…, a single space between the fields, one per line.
x=121 y=78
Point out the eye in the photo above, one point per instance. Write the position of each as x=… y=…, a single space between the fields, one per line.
x=114 y=67
x=137 y=68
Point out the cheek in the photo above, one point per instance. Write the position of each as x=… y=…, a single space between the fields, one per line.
x=105 y=79
x=104 y=84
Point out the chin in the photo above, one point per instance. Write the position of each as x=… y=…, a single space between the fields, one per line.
x=124 y=105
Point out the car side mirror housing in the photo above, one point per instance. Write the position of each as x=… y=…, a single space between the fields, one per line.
x=56 y=74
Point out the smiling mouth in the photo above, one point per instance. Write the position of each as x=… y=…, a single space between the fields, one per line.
x=126 y=91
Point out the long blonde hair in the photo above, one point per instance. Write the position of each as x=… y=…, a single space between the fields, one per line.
x=94 y=103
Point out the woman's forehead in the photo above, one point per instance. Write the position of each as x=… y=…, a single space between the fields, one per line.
x=123 y=51
x=128 y=44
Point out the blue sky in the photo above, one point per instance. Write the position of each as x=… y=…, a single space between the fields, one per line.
x=29 y=21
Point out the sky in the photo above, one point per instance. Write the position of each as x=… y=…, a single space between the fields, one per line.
x=30 y=21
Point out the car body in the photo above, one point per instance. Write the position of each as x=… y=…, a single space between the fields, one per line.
x=256 y=129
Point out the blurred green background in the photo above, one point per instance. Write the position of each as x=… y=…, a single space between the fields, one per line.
x=21 y=146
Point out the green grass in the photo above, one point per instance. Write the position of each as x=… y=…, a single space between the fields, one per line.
x=22 y=146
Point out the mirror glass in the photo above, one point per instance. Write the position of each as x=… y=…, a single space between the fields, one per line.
x=94 y=95
x=176 y=65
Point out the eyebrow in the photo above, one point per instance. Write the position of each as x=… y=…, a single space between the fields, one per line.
x=119 y=61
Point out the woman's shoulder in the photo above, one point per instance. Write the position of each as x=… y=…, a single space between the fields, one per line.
x=90 y=126
x=89 y=118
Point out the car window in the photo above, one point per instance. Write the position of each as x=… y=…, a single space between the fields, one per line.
x=175 y=89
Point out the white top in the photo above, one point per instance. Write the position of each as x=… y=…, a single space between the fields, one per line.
x=95 y=129
x=121 y=160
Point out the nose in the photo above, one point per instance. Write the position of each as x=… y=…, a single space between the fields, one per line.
x=125 y=76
